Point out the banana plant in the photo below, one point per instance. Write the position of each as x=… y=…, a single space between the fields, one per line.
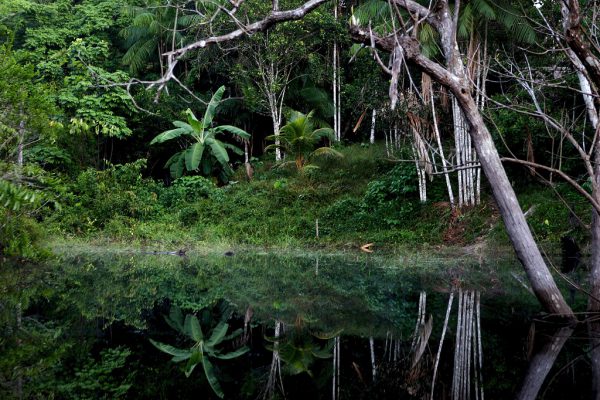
x=298 y=138
x=205 y=148
x=202 y=349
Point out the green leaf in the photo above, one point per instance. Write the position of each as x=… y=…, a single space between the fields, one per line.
x=218 y=151
x=168 y=135
x=175 y=319
x=176 y=164
x=212 y=107
x=210 y=376
x=192 y=328
x=174 y=351
x=194 y=360
x=233 y=148
x=196 y=125
x=193 y=155
x=217 y=334
x=233 y=130
x=233 y=354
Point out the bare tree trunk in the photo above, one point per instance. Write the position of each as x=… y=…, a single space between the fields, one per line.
x=373 y=118
x=444 y=162
x=21 y=133
x=518 y=231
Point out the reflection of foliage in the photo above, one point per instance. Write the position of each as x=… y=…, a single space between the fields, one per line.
x=301 y=347
x=202 y=348
x=100 y=379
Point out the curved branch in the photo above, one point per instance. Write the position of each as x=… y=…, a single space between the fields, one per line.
x=273 y=18
x=566 y=177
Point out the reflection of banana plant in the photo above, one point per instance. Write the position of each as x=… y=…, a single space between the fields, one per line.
x=301 y=348
x=205 y=147
x=202 y=349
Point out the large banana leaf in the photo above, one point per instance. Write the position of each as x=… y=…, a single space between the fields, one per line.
x=233 y=354
x=233 y=130
x=174 y=351
x=218 y=334
x=172 y=134
x=211 y=377
x=175 y=319
x=176 y=164
x=193 y=155
x=197 y=126
x=209 y=114
x=233 y=148
x=192 y=328
x=218 y=150
x=194 y=360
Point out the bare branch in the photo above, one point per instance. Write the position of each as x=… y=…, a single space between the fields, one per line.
x=563 y=175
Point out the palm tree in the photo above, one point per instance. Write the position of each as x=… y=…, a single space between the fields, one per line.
x=153 y=29
x=298 y=138
x=205 y=149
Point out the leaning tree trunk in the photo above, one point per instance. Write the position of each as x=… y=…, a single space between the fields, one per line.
x=516 y=226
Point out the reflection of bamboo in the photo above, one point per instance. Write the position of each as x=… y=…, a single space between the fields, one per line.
x=439 y=352
x=275 y=371
x=336 y=368
x=373 y=365
x=541 y=363
x=468 y=351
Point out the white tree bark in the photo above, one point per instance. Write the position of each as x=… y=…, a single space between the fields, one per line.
x=373 y=118
x=444 y=162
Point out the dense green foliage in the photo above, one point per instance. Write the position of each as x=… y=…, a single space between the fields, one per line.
x=93 y=151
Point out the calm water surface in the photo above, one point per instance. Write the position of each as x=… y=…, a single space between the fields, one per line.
x=313 y=326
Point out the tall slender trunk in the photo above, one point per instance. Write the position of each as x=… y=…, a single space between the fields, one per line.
x=444 y=163
x=21 y=133
x=373 y=118
x=335 y=105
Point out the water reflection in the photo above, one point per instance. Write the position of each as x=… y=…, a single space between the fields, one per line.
x=316 y=326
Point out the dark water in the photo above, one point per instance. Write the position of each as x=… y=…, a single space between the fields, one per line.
x=80 y=328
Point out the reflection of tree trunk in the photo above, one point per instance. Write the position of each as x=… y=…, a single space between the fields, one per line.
x=19 y=384
x=373 y=365
x=594 y=332
x=541 y=363
x=336 y=368
x=275 y=371
x=594 y=304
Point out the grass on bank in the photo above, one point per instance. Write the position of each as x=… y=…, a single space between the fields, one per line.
x=361 y=198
